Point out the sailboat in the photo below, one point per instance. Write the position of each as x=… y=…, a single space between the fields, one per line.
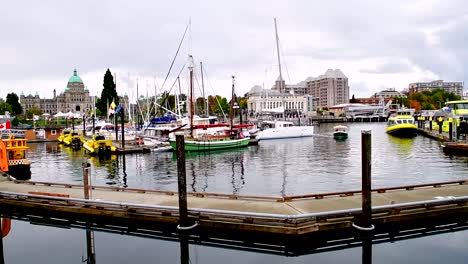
x=212 y=136
x=282 y=129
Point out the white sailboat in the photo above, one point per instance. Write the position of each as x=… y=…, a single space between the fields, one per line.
x=282 y=129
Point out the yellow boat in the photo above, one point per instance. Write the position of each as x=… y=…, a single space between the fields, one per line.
x=402 y=125
x=13 y=158
x=100 y=146
x=74 y=139
x=65 y=133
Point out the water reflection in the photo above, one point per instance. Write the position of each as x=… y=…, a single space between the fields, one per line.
x=204 y=167
x=403 y=146
x=90 y=248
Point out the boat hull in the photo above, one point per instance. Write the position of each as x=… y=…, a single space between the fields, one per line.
x=340 y=135
x=208 y=145
x=403 y=130
x=99 y=147
x=285 y=132
x=20 y=171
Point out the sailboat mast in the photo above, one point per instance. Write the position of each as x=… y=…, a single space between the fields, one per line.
x=203 y=89
x=191 y=95
x=231 y=111
x=279 y=68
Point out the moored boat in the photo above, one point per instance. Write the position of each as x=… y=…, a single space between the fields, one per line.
x=73 y=139
x=283 y=129
x=212 y=136
x=340 y=132
x=13 y=158
x=65 y=133
x=402 y=125
x=99 y=145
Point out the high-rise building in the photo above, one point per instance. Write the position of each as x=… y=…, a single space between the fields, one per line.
x=329 y=89
x=452 y=87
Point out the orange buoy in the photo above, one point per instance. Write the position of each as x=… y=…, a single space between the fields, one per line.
x=6 y=226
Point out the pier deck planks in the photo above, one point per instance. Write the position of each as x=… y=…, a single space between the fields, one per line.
x=350 y=205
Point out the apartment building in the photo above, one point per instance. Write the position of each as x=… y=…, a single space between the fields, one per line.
x=452 y=87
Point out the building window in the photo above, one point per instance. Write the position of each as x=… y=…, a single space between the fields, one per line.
x=53 y=132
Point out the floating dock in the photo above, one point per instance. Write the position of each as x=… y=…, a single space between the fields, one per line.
x=291 y=216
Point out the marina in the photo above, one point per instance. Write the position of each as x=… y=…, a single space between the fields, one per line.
x=126 y=193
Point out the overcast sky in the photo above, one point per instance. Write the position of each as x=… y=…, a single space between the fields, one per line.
x=377 y=44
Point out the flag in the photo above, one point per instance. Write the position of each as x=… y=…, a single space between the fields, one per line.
x=6 y=125
x=111 y=109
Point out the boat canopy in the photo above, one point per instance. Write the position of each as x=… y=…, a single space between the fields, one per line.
x=163 y=120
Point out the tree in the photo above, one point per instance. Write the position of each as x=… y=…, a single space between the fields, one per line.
x=4 y=107
x=108 y=94
x=432 y=99
x=33 y=111
x=15 y=122
x=13 y=100
x=353 y=100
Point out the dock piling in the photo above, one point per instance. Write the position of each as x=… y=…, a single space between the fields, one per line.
x=86 y=167
x=181 y=180
x=365 y=222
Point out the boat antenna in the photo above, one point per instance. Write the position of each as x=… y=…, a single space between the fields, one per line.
x=279 y=68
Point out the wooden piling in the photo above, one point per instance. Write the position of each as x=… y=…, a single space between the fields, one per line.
x=366 y=148
x=181 y=178
x=122 y=124
x=86 y=167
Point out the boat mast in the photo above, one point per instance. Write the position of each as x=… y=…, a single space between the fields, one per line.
x=279 y=68
x=231 y=107
x=191 y=94
x=203 y=90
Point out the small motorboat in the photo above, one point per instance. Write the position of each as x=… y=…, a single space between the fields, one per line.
x=340 y=132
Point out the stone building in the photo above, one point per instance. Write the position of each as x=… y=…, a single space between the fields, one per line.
x=75 y=98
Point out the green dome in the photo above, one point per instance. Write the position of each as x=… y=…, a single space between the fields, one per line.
x=75 y=78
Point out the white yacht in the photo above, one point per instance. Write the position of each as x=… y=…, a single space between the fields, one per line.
x=283 y=129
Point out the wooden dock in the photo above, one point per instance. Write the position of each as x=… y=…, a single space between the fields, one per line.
x=279 y=216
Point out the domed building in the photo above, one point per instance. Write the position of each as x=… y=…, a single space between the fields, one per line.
x=75 y=98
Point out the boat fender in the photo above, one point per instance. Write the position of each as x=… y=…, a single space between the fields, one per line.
x=6 y=226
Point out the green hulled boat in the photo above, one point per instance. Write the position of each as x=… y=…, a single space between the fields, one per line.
x=340 y=132
x=212 y=143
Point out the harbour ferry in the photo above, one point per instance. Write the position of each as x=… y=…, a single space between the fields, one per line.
x=402 y=124
x=455 y=111
x=13 y=158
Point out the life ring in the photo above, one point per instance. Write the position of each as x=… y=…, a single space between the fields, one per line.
x=6 y=226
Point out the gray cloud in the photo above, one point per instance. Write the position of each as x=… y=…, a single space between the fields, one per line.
x=389 y=66
x=47 y=39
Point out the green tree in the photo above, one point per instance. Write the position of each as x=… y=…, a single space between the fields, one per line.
x=4 y=107
x=13 y=100
x=108 y=94
x=33 y=111
x=432 y=99
x=15 y=122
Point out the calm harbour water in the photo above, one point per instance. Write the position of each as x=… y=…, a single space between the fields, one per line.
x=274 y=168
